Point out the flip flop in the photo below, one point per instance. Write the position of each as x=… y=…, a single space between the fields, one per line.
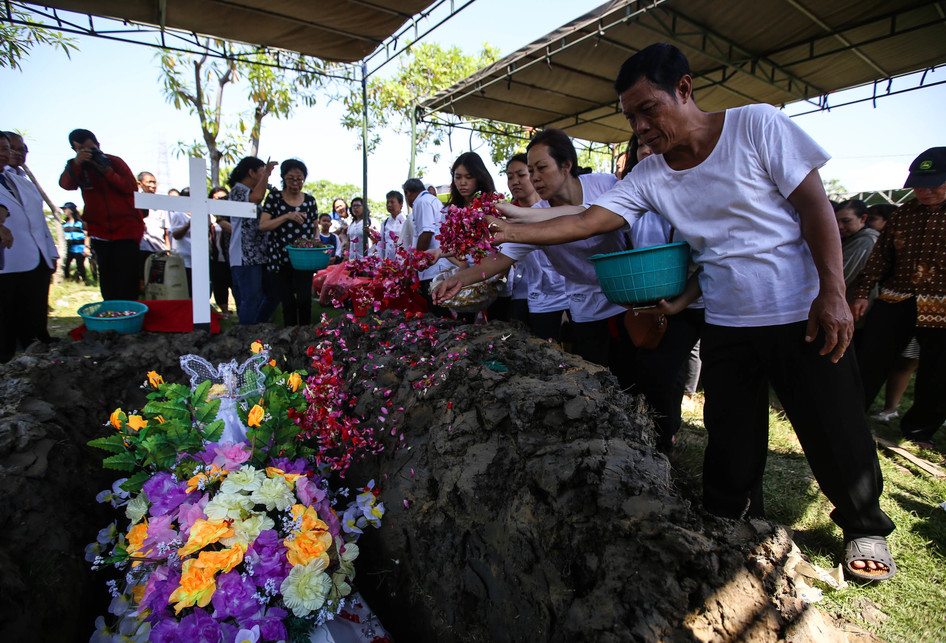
x=868 y=548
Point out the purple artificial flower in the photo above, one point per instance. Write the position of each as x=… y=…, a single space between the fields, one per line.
x=298 y=465
x=267 y=556
x=234 y=597
x=309 y=492
x=160 y=530
x=164 y=631
x=164 y=492
x=199 y=626
x=271 y=626
x=189 y=513
x=161 y=584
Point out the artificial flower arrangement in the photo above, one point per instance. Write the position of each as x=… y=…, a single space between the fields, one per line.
x=465 y=233
x=229 y=541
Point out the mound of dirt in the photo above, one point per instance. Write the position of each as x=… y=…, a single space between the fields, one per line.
x=525 y=497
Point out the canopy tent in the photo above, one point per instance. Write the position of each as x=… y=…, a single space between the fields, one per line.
x=337 y=31
x=740 y=51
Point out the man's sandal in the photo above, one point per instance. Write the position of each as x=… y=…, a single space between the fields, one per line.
x=868 y=548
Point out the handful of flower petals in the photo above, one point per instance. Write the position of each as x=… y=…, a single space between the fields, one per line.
x=465 y=232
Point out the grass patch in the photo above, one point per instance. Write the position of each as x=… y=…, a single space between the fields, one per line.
x=912 y=604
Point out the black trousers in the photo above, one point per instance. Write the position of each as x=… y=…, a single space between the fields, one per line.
x=888 y=330
x=546 y=325
x=295 y=294
x=79 y=258
x=822 y=400
x=24 y=313
x=220 y=282
x=605 y=342
x=118 y=268
x=439 y=311
x=657 y=372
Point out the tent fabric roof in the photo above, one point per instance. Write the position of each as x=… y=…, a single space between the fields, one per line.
x=338 y=31
x=740 y=51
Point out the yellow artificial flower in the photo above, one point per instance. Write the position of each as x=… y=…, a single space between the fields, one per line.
x=310 y=518
x=136 y=422
x=217 y=390
x=256 y=347
x=294 y=381
x=290 y=478
x=116 y=418
x=138 y=592
x=154 y=379
x=203 y=533
x=255 y=415
x=198 y=585
x=306 y=587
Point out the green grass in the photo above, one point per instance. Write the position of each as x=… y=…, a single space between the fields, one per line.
x=67 y=297
x=913 y=603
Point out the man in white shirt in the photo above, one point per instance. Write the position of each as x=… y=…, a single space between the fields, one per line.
x=427 y=219
x=742 y=188
x=155 y=238
x=391 y=226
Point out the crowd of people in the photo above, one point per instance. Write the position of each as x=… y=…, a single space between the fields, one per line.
x=785 y=286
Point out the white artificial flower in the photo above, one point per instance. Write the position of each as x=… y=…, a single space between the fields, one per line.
x=246 y=479
x=228 y=506
x=275 y=494
x=305 y=588
x=246 y=531
x=137 y=508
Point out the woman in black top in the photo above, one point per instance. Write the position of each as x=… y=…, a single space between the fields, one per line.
x=289 y=215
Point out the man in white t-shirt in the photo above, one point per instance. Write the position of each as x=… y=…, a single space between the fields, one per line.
x=427 y=219
x=742 y=188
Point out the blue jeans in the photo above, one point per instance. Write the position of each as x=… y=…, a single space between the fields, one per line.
x=253 y=305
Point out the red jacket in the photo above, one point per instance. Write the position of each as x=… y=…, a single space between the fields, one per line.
x=109 y=198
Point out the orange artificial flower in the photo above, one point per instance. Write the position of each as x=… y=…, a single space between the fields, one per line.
x=136 y=422
x=160 y=419
x=136 y=536
x=203 y=533
x=307 y=546
x=223 y=561
x=272 y=362
x=256 y=347
x=255 y=415
x=310 y=518
x=294 y=381
x=116 y=418
x=154 y=379
x=138 y=592
x=213 y=472
x=197 y=586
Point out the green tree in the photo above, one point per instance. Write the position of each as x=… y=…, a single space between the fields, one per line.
x=834 y=189
x=424 y=70
x=197 y=83
x=17 y=41
x=325 y=192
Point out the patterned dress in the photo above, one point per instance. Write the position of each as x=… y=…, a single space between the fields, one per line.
x=284 y=235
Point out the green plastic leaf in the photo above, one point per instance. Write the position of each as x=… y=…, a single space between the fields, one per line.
x=134 y=483
x=207 y=412
x=120 y=461
x=111 y=443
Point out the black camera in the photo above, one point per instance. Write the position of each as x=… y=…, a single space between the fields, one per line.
x=98 y=156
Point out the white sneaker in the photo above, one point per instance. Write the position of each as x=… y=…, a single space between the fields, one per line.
x=885 y=416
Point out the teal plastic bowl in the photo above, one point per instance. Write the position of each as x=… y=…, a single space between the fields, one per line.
x=125 y=325
x=309 y=258
x=643 y=276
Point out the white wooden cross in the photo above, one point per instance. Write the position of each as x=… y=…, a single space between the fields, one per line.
x=200 y=208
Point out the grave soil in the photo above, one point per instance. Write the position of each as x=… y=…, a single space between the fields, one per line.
x=525 y=501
